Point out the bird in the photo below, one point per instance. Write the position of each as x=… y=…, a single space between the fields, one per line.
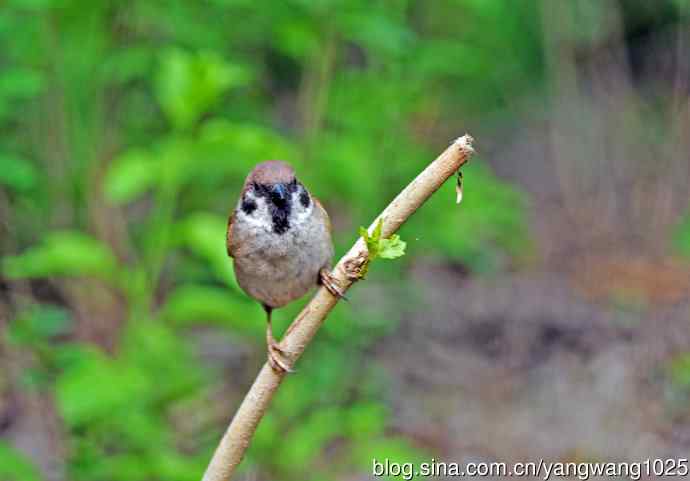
x=279 y=237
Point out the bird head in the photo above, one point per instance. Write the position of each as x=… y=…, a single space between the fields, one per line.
x=273 y=197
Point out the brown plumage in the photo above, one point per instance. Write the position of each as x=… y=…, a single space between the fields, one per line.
x=280 y=239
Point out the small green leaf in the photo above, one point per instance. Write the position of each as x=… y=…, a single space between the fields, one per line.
x=376 y=235
x=371 y=244
x=373 y=240
x=392 y=248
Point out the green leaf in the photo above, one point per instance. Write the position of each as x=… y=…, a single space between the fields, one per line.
x=372 y=245
x=15 y=466
x=372 y=241
x=376 y=235
x=392 y=248
x=64 y=253
x=17 y=173
x=376 y=238
x=189 y=84
x=129 y=176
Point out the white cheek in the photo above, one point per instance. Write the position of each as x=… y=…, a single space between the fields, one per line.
x=260 y=217
x=301 y=213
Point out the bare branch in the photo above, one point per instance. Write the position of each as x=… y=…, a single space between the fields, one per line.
x=300 y=333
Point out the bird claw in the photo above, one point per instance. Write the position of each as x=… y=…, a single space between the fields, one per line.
x=331 y=284
x=274 y=359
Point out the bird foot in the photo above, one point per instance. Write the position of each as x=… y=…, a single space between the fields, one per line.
x=327 y=280
x=276 y=359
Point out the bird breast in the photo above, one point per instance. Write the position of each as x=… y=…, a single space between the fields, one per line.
x=276 y=269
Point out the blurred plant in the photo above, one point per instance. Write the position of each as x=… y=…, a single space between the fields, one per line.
x=14 y=466
x=682 y=237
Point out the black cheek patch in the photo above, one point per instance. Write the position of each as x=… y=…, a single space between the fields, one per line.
x=248 y=206
x=304 y=199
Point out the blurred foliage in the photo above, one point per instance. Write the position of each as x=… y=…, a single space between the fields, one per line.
x=127 y=130
x=14 y=466
x=682 y=237
x=679 y=368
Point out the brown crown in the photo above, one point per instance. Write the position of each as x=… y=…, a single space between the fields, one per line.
x=271 y=172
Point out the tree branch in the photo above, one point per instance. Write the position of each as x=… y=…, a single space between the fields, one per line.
x=300 y=333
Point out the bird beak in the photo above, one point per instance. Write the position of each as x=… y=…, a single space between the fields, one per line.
x=279 y=194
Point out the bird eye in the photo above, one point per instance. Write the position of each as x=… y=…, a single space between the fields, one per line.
x=292 y=186
x=260 y=189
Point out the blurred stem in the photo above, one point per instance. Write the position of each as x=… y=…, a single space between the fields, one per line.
x=313 y=97
x=349 y=269
x=21 y=403
x=159 y=240
x=54 y=122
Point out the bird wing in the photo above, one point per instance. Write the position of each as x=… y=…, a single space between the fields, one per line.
x=228 y=236
x=324 y=214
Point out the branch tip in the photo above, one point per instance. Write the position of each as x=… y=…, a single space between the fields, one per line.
x=465 y=143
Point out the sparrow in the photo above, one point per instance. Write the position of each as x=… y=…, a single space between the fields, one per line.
x=279 y=237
